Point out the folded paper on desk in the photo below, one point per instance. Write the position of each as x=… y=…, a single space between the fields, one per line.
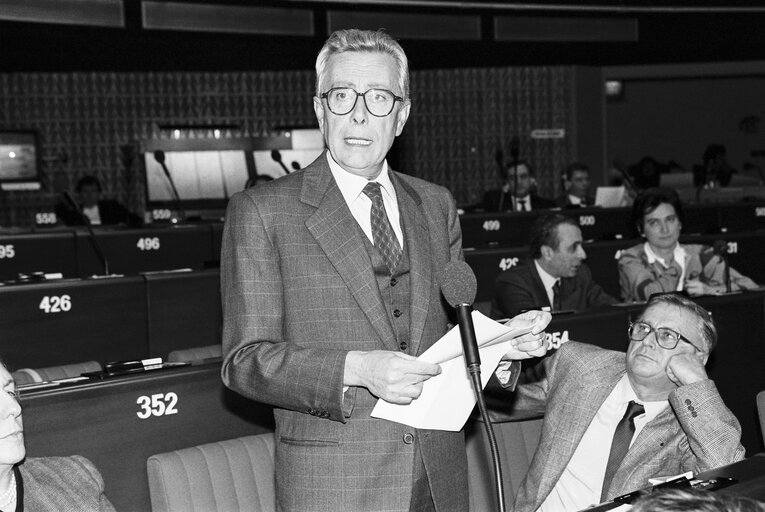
x=448 y=398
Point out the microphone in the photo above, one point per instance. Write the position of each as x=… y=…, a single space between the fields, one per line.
x=295 y=166
x=720 y=247
x=71 y=204
x=514 y=152
x=276 y=156
x=159 y=156
x=515 y=144
x=459 y=286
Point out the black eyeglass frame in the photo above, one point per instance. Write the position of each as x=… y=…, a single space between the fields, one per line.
x=325 y=96
x=651 y=329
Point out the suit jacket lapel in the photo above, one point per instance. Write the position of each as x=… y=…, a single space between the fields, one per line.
x=539 y=287
x=581 y=406
x=416 y=238
x=339 y=236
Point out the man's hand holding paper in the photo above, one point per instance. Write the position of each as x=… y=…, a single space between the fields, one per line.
x=448 y=398
x=531 y=344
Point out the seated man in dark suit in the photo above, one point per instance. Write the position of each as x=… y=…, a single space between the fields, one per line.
x=508 y=198
x=92 y=209
x=555 y=275
x=576 y=183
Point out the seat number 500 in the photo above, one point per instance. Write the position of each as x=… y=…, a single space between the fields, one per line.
x=159 y=404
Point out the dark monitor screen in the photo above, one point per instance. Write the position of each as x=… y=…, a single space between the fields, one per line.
x=19 y=160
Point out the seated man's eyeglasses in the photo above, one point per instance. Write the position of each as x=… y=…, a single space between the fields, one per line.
x=342 y=100
x=665 y=337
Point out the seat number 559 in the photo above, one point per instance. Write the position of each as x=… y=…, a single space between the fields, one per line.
x=160 y=404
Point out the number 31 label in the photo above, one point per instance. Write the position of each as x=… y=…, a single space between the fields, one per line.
x=160 y=404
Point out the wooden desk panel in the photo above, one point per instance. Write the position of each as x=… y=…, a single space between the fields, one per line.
x=100 y=421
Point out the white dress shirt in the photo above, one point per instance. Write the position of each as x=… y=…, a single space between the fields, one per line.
x=581 y=483
x=93 y=214
x=547 y=280
x=526 y=207
x=352 y=186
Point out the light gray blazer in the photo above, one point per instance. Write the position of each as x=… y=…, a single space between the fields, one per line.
x=575 y=381
x=299 y=292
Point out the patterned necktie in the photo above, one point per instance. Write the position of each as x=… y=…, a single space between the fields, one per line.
x=556 y=296
x=383 y=237
x=621 y=443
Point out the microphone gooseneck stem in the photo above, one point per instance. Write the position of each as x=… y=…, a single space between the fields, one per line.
x=178 y=205
x=473 y=364
x=475 y=378
x=726 y=273
x=96 y=246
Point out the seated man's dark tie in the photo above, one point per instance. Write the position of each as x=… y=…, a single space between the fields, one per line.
x=384 y=238
x=621 y=443
x=521 y=205
x=556 y=296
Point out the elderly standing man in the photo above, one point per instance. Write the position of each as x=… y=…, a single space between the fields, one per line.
x=330 y=285
x=612 y=422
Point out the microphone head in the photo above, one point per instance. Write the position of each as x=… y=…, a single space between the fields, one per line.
x=276 y=156
x=159 y=156
x=458 y=283
x=720 y=247
x=296 y=166
x=515 y=144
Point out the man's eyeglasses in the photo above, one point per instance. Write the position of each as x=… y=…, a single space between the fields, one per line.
x=342 y=100
x=665 y=337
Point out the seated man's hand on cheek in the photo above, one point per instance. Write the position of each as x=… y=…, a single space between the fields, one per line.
x=684 y=369
x=531 y=344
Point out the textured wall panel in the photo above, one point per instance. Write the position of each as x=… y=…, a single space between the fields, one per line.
x=451 y=27
x=525 y=28
x=100 y=13
x=227 y=18
x=460 y=118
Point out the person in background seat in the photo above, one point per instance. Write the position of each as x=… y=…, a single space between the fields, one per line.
x=662 y=263
x=93 y=209
x=509 y=199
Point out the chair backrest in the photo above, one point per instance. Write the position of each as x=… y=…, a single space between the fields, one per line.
x=516 y=441
x=238 y=474
x=31 y=375
x=232 y=475
x=196 y=354
x=761 y=411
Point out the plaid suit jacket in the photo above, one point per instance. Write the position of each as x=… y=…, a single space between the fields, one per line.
x=63 y=484
x=299 y=292
x=696 y=433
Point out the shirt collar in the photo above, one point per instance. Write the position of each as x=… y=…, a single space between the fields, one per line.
x=351 y=185
x=625 y=394
x=678 y=254
x=547 y=280
x=575 y=200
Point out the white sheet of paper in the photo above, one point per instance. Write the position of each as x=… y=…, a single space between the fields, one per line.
x=448 y=398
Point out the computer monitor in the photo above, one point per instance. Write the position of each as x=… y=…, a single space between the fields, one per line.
x=19 y=160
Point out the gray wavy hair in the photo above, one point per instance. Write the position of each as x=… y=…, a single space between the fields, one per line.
x=354 y=40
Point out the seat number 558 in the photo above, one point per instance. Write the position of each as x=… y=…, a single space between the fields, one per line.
x=159 y=404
